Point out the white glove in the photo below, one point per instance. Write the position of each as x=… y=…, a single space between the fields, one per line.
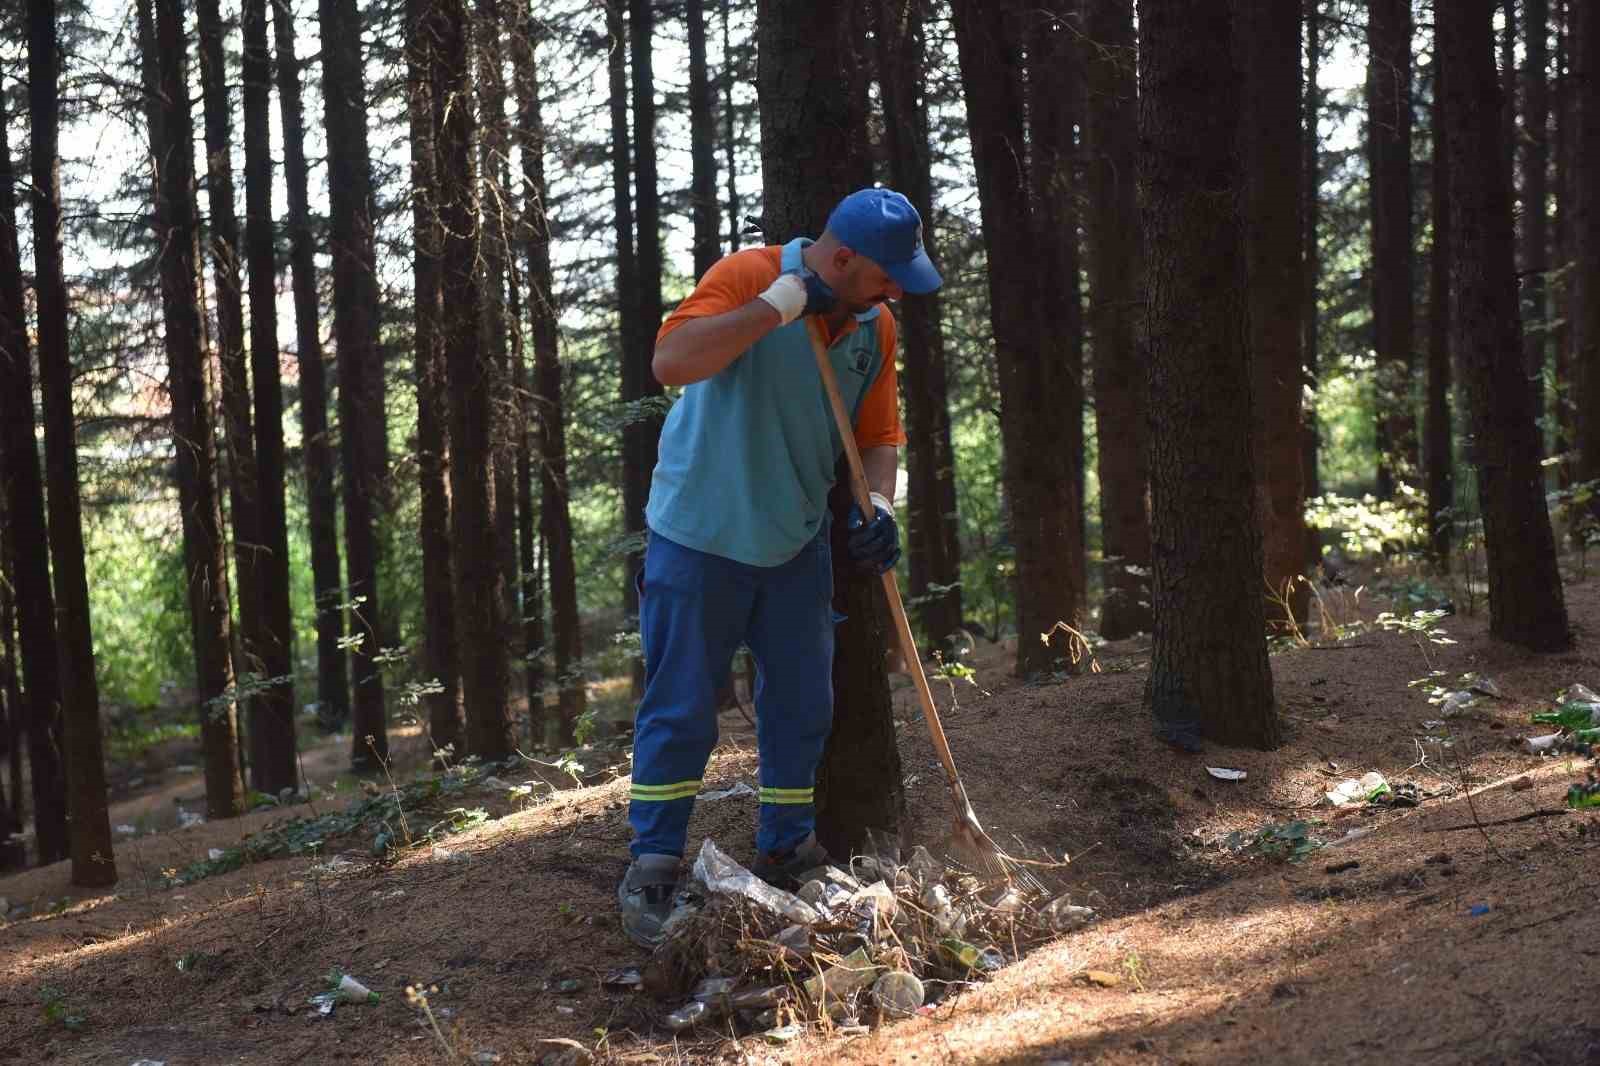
x=787 y=296
x=880 y=500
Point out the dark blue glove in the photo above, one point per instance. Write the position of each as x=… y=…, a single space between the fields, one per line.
x=820 y=298
x=875 y=545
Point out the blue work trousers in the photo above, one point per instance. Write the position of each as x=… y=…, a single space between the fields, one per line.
x=695 y=610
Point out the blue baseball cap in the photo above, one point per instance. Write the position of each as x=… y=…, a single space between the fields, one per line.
x=882 y=225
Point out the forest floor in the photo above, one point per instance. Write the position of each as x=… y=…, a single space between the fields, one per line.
x=1460 y=931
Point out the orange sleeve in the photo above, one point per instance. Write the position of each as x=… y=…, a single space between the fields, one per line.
x=732 y=282
x=878 y=420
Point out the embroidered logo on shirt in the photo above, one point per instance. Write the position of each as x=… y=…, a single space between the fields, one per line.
x=862 y=364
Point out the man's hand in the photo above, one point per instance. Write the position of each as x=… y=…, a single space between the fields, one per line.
x=800 y=293
x=875 y=545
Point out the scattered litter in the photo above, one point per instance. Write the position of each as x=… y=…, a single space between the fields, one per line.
x=1352 y=836
x=621 y=980
x=1351 y=791
x=1478 y=910
x=214 y=854
x=345 y=989
x=336 y=865
x=1404 y=794
x=784 y=1034
x=188 y=819
x=1537 y=745
x=485 y=1057
x=447 y=855
x=739 y=788
x=128 y=831
x=569 y=986
x=1584 y=795
x=557 y=1051
x=721 y=874
x=898 y=993
x=148 y=1062
x=1456 y=702
x=1583 y=693
x=1433 y=723
x=1101 y=978
x=1486 y=685
x=1064 y=917
x=1222 y=773
x=494 y=783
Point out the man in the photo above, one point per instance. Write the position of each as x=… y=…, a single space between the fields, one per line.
x=738 y=545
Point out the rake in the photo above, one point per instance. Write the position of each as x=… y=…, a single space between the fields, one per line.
x=969 y=845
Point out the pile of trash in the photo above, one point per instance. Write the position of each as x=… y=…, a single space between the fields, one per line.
x=853 y=947
x=1576 y=721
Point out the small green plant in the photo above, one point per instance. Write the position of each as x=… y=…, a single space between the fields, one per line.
x=1421 y=626
x=1133 y=966
x=1283 y=841
x=57 y=1011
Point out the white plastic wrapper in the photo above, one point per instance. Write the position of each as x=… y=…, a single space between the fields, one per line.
x=721 y=874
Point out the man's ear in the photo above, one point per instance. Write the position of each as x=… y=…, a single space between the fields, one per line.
x=842 y=256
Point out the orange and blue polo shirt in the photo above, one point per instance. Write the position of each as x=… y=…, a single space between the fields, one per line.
x=747 y=456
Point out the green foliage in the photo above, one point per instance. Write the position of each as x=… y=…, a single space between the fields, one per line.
x=134 y=565
x=1281 y=841
x=1369 y=526
x=57 y=1011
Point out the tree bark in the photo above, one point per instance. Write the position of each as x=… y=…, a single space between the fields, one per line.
x=29 y=541
x=89 y=827
x=1562 y=233
x=446 y=715
x=1110 y=138
x=641 y=431
x=355 y=333
x=204 y=549
x=1269 y=39
x=10 y=676
x=813 y=154
x=480 y=592
x=238 y=432
x=1535 y=145
x=1526 y=605
x=1438 y=448
x=1209 y=668
x=1039 y=483
x=555 y=521
x=272 y=726
x=1585 y=299
x=1311 y=142
x=333 y=687
x=1389 y=157
x=726 y=77
x=933 y=547
x=702 y=143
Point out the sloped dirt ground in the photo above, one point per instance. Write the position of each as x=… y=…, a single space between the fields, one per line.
x=1218 y=957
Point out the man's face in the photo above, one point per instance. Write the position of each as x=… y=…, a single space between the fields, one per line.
x=862 y=283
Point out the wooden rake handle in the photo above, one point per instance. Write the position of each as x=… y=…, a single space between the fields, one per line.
x=891 y=588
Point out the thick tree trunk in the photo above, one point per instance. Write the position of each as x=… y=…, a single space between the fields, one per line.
x=89 y=827
x=1535 y=144
x=702 y=143
x=1209 y=668
x=355 y=332
x=204 y=549
x=1041 y=492
x=813 y=154
x=446 y=716
x=729 y=144
x=333 y=683
x=1562 y=236
x=1110 y=138
x=529 y=620
x=238 y=433
x=1269 y=38
x=1054 y=99
x=641 y=432
x=1585 y=300
x=555 y=522
x=1311 y=143
x=933 y=547
x=1438 y=450
x=1389 y=157
x=272 y=725
x=1526 y=603
x=10 y=676
x=480 y=595
x=28 y=540
x=1508 y=90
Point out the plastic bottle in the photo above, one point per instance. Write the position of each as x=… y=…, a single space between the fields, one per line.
x=1577 y=714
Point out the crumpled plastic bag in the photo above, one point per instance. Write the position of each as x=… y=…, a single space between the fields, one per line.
x=721 y=874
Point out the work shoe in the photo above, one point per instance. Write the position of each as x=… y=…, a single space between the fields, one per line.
x=784 y=870
x=645 y=897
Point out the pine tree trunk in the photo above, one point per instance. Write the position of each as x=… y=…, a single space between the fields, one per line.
x=446 y=716
x=1526 y=603
x=1562 y=245
x=1110 y=138
x=29 y=542
x=355 y=333
x=555 y=522
x=480 y=592
x=1269 y=38
x=333 y=681
x=10 y=678
x=272 y=726
x=933 y=548
x=726 y=77
x=1508 y=90
x=204 y=549
x=1535 y=144
x=529 y=620
x=1438 y=449
x=1039 y=482
x=702 y=143
x=1055 y=92
x=1585 y=299
x=1311 y=143
x=238 y=433
x=813 y=154
x=89 y=827
x=641 y=432
x=1389 y=157
x=1209 y=667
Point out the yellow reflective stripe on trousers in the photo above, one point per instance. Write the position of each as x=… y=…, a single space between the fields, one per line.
x=662 y=793
x=787 y=795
